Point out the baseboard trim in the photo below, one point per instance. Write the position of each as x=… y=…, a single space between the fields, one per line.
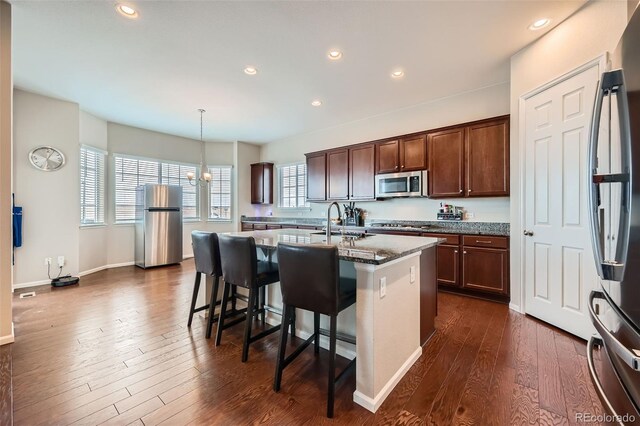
x=10 y=338
x=80 y=274
x=372 y=404
x=515 y=307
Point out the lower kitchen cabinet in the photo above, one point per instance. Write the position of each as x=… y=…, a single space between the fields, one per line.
x=448 y=265
x=485 y=270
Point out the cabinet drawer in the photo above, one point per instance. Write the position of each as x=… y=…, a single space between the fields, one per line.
x=274 y=226
x=485 y=241
x=247 y=227
x=259 y=226
x=452 y=239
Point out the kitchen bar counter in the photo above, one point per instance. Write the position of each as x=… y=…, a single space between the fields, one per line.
x=371 y=249
x=395 y=303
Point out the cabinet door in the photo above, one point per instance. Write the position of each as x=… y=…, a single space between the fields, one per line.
x=387 y=157
x=316 y=177
x=448 y=261
x=487 y=159
x=338 y=174
x=257 y=186
x=413 y=153
x=485 y=269
x=362 y=172
x=446 y=163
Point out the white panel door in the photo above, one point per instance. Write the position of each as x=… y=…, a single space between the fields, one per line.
x=559 y=265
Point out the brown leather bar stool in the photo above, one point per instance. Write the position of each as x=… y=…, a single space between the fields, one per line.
x=206 y=253
x=310 y=280
x=240 y=267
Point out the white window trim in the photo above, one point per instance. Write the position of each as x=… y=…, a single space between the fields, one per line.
x=112 y=165
x=279 y=189
x=231 y=206
x=104 y=188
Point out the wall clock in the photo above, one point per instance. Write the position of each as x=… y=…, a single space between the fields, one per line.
x=46 y=158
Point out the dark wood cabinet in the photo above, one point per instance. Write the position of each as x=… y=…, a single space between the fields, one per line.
x=246 y=226
x=446 y=163
x=317 y=176
x=262 y=183
x=338 y=174
x=388 y=157
x=487 y=159
x=485 y=270
x=413 y=153
x=448 y=261
x=362 y=172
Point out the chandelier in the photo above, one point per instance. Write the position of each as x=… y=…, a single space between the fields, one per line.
x=205 y=177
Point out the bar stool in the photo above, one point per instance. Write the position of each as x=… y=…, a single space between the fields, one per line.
x=310 y=280
x=240 y=267
x=206 y=253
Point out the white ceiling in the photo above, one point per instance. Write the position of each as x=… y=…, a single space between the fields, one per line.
x=154 y=72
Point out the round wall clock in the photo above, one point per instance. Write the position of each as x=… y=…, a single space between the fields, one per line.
x=46 y=158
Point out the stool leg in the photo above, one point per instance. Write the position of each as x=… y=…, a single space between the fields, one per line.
x=196 y=288
x=282 y=348
x=251 y=312
x=212 y=304
x=223 y=312
x=316 y=331
x=263 y=300
x=234 y=292
x=293 y=323
x=332 y=366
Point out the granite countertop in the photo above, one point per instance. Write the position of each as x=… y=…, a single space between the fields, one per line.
x=435 y=226
x=373 y=249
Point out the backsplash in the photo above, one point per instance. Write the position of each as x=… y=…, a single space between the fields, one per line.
x=477 y=209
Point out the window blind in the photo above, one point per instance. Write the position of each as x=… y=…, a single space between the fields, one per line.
x=131 y=172
x=92 y=186
x=293 y=186
x=220 y=193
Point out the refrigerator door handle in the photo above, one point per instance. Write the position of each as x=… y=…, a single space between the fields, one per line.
x=631 y=358
x=593 y=342
x=611 y=83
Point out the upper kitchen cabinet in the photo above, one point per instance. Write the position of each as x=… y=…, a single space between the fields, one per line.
x=388 y=157
x=362 y=172
x=337 y=174
x=262 y=183
x=402 y=155
x=446 y=163
x=413 y=153
x=487 y=158
x=317 y=176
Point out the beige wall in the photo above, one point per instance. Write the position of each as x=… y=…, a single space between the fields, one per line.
x=245 y=155
x=6 y=95
x=50 y=200
x=487 y=102
x=590 y=32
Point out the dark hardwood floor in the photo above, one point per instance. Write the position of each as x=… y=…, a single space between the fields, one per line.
x=116 y=350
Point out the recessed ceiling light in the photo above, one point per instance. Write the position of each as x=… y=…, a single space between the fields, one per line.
x=250 y=71
x=127 y=11
x=397 y=74
x=540 y=23
x=316 y=102
x=334 y=55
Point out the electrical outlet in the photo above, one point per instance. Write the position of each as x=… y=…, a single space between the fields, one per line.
x=412 y=274
x=61 y=261
x=383 y=287
x=470 y=215
x=47 y=261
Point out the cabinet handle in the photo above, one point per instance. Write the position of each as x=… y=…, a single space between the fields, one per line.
x=402 y=166
x=483 y=242
x=464 y=252
x=460 y=192
x=455 y=251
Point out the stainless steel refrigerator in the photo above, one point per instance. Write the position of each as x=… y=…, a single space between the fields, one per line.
x=614 y=197
x=158 y=235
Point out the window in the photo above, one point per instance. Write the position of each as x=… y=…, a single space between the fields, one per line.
x=220 y=193
x=131 y=172
x=292 y=185
x=91 y=186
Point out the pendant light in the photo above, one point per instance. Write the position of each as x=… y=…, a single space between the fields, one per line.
x=205 y=177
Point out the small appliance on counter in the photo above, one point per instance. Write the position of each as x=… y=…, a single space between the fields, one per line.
x=450 y=212
x=353 y=216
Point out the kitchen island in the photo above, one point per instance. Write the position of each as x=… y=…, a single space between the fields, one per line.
x=387 y=316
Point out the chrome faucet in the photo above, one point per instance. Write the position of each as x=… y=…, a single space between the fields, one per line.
x=329 y=219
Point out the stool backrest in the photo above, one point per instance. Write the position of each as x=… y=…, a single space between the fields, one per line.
x=206 y=252
x=310 y=277
x=239 y=260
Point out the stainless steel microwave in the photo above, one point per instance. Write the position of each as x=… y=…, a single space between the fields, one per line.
x=406 y=184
